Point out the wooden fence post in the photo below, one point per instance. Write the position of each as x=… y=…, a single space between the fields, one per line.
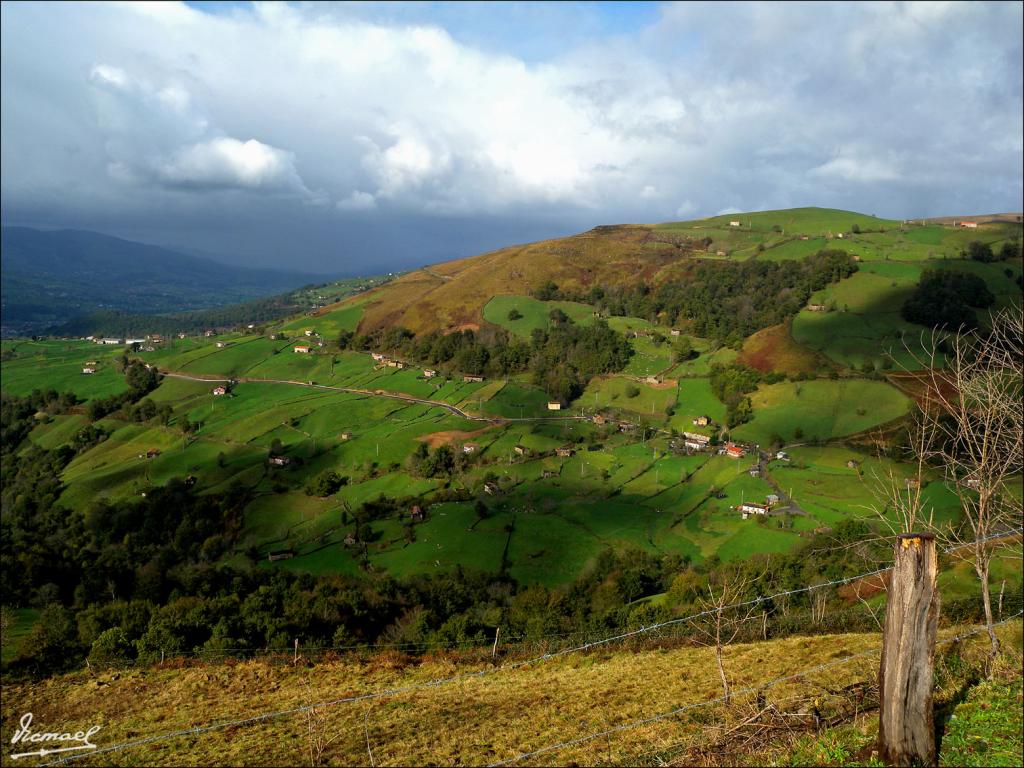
x=906 y=728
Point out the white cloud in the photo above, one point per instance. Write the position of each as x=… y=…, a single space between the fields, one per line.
x=357 y=201
x=858 y=167
x=715 y=104
x=225 y=163
x=104 y=74
x=686 y=209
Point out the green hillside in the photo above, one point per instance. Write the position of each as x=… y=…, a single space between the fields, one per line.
x=349 y=480
x=622 y=488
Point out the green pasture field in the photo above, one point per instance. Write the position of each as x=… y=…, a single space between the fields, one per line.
x=624 y=324
x=648 y=357
x=605 y=392
x=57 y=365
x=535 y=313
x=57 y=430
x=517 y=401
x=867 y=324
x=694 y=399
x=237 y=358
x=957 y=578
x=701 y=365
x=823 y=486
x=821 y=408
x=804 y=221
x=175 y=392
x=795 y=249
x=174 y=354
x=328 y=325
x=451 y=536
x=287 y=365
x=664 y=473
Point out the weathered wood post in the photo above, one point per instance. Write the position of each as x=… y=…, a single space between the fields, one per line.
x=906 y=729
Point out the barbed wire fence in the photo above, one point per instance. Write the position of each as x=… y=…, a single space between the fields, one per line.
x=719 y=700
x=674 y=631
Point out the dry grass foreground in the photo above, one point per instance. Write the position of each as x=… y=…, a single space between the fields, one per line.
x=480 y=720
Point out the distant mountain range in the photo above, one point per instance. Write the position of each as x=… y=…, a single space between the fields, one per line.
x=50 y=277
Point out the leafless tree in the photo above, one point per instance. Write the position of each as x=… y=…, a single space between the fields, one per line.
x=724 y=620
x=973 y=428
x=899 y=494
x=316 y=730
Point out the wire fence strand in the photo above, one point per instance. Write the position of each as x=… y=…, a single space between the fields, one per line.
x=721 y=699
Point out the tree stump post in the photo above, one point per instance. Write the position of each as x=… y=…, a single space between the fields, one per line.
x=906 y=728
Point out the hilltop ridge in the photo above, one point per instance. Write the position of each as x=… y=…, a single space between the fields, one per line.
x=452 y=295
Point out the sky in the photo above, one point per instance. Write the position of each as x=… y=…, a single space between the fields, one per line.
x=363 y=137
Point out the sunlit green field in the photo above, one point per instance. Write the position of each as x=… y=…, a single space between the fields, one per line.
x=57 y=365
x=820 y=409
x=550 y=516
x=535 y=313
x=614 y=392
x=864 y=326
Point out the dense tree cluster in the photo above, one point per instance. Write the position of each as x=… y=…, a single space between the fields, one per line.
x=725 y=301
x=732 y=383
x=983 y=252
x=441 y=462
x=141 y=381
x=562 y=358
x=327 y=483
x=945 y=298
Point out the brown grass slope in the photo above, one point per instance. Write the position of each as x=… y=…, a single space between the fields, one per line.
x=476 y=721
x=451 y=295
x=774 y=349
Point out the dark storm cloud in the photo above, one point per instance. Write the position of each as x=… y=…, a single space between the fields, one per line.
x=346 y=142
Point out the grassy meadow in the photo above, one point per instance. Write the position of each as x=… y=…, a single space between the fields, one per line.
x=549 y=516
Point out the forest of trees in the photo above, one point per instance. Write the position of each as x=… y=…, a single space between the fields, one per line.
x=724 y=301
x=562 y=359
x=947 y=298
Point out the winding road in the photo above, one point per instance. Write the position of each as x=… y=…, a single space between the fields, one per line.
x=455 y=410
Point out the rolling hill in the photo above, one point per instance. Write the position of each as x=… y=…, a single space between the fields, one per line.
x=453 y=295
x=421 y=503
x=53 y=276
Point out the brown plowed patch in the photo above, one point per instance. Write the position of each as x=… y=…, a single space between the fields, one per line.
x=437 y=439
x=666 y=384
